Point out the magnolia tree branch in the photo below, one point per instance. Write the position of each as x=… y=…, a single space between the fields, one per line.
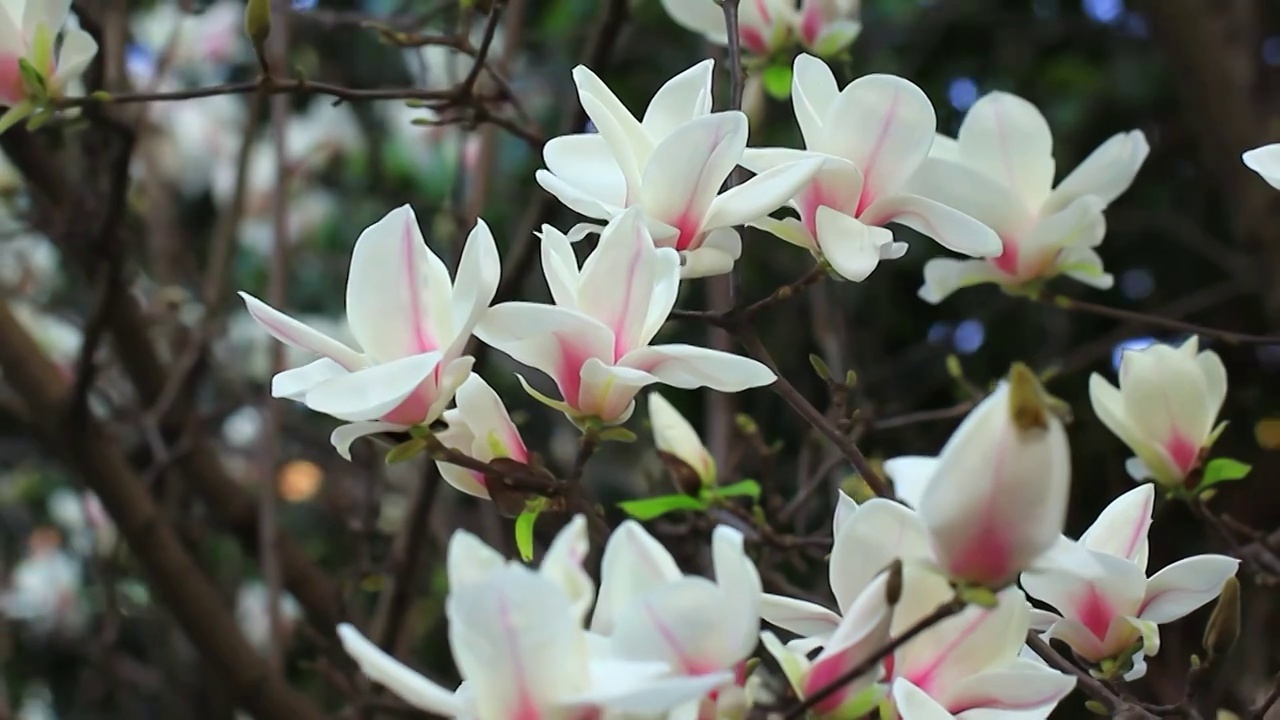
x=1228 y=336
x=1089 y=685
x=175 y=575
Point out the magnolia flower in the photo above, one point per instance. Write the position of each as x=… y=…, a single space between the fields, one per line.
x=1164 y=409
x=674 y=436
x=863 y=630
x=868 y=538
x=671 y=166
x=1000 y=170
x=518 y=642
x=1265 y=161
x=827 y=27
x=411 y=322
x=29 y=33
x=1109 y=608
x=869 y=138
x=968 y=665
x=650 y=611
x=594 y=341
x=764 y=26
x=480 y=427
x=995 y=499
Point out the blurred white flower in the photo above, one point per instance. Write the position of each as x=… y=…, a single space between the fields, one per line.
x=88 y=527
x=43 y=592
x=29 y=263
x=253 y=604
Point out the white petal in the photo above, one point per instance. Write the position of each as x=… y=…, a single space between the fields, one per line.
x=863 y=630
x=1084 y=265
x=760 y=195
x=943 y=276
x=1164 y=393
x=482 y=410
x=949 y=228
x=585 y=163
x=971 y=192
x=560 y=266
x=77 y=51
x=878 y=533
x=633 y=564
x=563 y=564
x=911 y=475
x=1186 y=585
x=701 y=16
x=406 y=684
x=398 y=291
x=372 y=393
x=343 y=435
x=1106 y=173
x=1094 y=598
x=552 y=339
x=853 y=249
x=1007 y=139
x=813 y=92
x=618 y=279
x=720 y=249
x=469 y=560
x=676 y=436
x=885 y=125
x=798 y=616
x=1022 y=686
x=608 y=392
x=690 y=366
x=740 y=581
x=627 y=140
x=680 y=623
x=479 y=271
x=687 y=169
x=685 y=96
x=296 y=383
x=912 y=703
x=970 y=642
x=516 y=641
x=579 y=201
x=1121 y=528
x=293 y=333
x=1265 y=161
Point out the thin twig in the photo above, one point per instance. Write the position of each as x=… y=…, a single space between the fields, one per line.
x=1228 y=336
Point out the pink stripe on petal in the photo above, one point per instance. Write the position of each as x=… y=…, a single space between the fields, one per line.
x=12 y=90
x=526 y=702
x=1182 y=451
x=869 y=193
x=925 y=676
x=753 y=40
x=421 y=333
x=811 y=23
x=568 y=371
x=1095 y=612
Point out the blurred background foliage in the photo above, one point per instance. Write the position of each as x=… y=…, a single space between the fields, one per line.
x=1192 y=240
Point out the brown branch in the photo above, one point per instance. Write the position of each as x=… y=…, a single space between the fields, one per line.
x=175 y=575
x=1088 y=684
x=1228 y=336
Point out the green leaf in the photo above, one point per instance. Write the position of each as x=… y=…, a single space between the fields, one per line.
x=524 y=528
x=406 y=450
x=617 y=434
x=650 y=508
x=777 y=81
x=1220 y=470
x=742 y=488
x=32 y=81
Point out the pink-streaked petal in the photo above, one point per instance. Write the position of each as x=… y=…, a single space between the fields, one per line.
x=1094 y=594
x=967 y=190
x=618 y=278
x=1007 y=139
x=1186 y=585
x=680 y=623
x=687 y=169
x=344 y=435
x=690 y=366
x=293 y=333
x=885 y=125
x=1079 y=638
x=375 y=392
x=863 y=630
x=403 y=682
x=633 y=564
x=398 y=291
x=516 y=642
x=482 y=410
x=608 y=392
x=552 y=339
x=975 y=640
x=1121 y=528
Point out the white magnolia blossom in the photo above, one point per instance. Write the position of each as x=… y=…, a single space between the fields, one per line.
x=480 y=427
x=1265 y=161
x=671 y=165
x=29 y=31
x=675 y=436
x=594 y=341
x=869 y=138
x=1000 y=170
x=1109 y=610
x=650 y=611
x=411 y=320
x=824 y=27
x=1165 y=409
x=995 y=500
x=519 y=644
